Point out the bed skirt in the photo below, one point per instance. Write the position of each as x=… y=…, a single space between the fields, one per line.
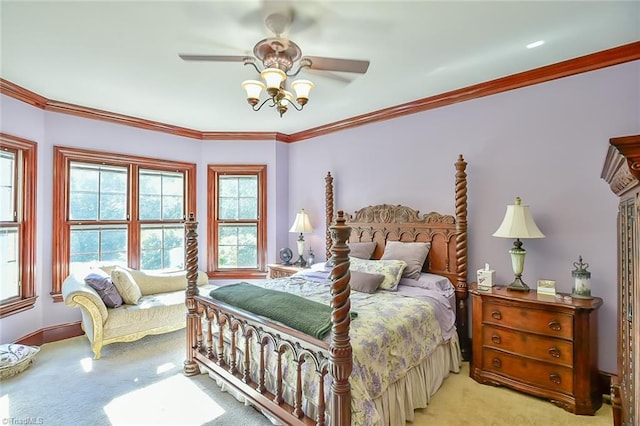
x=397 y=404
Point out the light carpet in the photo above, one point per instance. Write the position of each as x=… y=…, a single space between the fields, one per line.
x=141 y=383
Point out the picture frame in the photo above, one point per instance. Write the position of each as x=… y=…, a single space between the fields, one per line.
x=547 y=287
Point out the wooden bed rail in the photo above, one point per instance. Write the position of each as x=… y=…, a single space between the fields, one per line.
x=214 y=326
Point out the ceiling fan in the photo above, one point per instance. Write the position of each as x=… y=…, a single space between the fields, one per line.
x=279 y=58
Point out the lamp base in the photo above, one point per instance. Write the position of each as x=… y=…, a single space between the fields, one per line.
x=518 y=285
x=301 y=263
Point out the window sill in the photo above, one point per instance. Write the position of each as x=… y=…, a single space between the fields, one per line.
x=17 y=306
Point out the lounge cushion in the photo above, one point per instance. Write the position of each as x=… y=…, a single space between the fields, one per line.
x=101 y=282
x=126 y=285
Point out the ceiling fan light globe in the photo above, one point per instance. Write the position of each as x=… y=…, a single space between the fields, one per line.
x=288 y=97
x=253 y=88
x=273 y=77
x=302 y=89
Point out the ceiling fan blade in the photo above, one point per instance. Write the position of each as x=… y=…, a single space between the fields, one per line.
x=335 y=64
x=214 y=58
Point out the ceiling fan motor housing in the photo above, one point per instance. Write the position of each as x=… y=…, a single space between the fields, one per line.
x=276 y=52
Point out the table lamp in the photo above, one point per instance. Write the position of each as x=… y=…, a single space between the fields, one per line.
x=302 y=224
x=518 y=223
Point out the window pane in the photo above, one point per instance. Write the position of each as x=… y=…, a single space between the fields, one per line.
x=228 y=208
x=172 y=207
x=97 y=192
x=248 y=186
x=9 y=264
x=7 y=186
x=161 y=195
x=162 y=247
x=112 y=207
x=228 y=186
x=238 y=197
x=150 y=207
x=83 y=206
x=95 y=245
x=237 y=246
x=248 y=208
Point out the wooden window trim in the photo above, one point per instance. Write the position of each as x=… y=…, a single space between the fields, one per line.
x=28 y=200
x=62 y=158
x=213 y=171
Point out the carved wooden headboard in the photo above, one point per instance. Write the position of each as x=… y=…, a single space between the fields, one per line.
x=384 y=222
x=447 y=234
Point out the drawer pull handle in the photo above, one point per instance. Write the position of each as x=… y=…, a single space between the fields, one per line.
x=554 y=352
x=496 y=339
x=496 y=315
x=555 y=325
x=496 y=362
x=555 y=378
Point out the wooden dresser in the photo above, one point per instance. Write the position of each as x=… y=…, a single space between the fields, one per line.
x=537 y=345
x=622 y=172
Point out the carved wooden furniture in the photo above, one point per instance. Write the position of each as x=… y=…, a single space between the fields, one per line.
x=278 y=270
x=217 y=334
x=537 y=345
x=622 y=172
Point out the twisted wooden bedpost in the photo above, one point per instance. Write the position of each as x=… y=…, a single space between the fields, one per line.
x=461 y=257
x=340 y=353
x=191 y=260
x=328 y=202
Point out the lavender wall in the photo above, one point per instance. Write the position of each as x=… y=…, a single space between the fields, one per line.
x=50 y=129
x=544 y=143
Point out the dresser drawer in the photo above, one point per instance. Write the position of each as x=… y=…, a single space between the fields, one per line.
x=541 y=374
x=534 y=346
x=536 y=321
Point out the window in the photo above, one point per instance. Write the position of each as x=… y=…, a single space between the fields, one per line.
x=18 y=167
x=118 y=209
x=237 y=225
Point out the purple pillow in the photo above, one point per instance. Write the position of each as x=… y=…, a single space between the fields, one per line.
x=101 y=282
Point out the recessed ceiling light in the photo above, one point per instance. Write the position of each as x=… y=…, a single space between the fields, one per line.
x=535 y=44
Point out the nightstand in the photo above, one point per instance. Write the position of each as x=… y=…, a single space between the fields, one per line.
x=540 y=345
x=278 y=270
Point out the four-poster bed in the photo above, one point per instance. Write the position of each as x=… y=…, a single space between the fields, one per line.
x=294 y=378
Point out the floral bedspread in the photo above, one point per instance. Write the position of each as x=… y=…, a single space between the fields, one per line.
x=390 y=335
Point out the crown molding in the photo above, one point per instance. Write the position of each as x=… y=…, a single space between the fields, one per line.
x=606 y=58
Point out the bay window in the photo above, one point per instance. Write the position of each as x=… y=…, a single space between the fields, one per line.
x=118 y=210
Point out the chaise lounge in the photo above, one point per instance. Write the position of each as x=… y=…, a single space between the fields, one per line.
x=152 y=303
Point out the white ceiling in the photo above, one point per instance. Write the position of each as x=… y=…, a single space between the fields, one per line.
x=122 y=56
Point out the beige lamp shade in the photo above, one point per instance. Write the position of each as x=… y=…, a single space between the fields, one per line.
x=302 y=224
x=273 y=77
x=253 y=88
x=302 y=88
x=518 y=223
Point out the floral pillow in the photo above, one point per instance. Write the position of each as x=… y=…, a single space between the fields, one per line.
x=391 y=269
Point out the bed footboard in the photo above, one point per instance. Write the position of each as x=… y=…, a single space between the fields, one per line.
x=254 y=355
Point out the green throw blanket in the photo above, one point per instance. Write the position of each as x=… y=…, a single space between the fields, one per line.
x=307 y=316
